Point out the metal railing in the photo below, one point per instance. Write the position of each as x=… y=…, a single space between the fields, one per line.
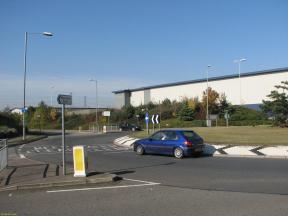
x=110 y=128
x=3 y=154
x=103 y=129
x=95 y=128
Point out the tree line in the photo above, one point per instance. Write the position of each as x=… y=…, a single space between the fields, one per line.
x=274 y=110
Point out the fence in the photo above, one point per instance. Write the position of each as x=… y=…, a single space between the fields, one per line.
x=95 y=128
x=3 y=154
x=103 y=129
x=110 y=128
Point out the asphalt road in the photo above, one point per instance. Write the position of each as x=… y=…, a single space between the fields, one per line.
x=191 y=186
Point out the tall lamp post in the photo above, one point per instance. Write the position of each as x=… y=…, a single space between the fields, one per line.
x=238 y=61
x=207 y=96
x=96 y=92
x=51 y=96
x=48 y=34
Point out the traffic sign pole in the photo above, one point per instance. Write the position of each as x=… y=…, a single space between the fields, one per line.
x=147 y=122
x=64 y=100
x=63 y=141
x=153 y=122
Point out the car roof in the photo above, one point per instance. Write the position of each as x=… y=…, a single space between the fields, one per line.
x=176 y=130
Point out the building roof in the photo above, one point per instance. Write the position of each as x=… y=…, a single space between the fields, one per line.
x=248 y=74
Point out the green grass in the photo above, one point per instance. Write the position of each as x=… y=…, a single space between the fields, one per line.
x=245 y=135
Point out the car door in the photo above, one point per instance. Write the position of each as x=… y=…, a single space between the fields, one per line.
x=154 y=143
x=169 y=142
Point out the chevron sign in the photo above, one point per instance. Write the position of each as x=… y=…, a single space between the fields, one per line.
x=155 y=119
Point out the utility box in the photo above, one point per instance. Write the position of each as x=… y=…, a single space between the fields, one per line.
x=80 y=161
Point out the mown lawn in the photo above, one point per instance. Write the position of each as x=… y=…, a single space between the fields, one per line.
x=259 y=135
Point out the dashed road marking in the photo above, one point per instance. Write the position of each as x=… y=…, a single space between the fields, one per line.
x=111 y=148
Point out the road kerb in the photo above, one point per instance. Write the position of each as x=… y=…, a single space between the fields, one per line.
x=103 y=178
x=227 y=150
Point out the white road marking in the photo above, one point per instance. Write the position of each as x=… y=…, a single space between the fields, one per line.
x=22 y=156
x=116 y=152
x=146 y=183
x=240 y=150
x=275 y=151
x=47 y=149
x=136 y=180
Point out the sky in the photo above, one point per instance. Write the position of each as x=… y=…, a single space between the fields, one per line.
x=132 y=43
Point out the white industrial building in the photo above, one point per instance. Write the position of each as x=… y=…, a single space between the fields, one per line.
x=248 y=89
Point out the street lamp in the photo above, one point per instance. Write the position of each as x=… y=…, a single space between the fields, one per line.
x=51 y=98
x=48 y=34
x=96 y=92
x=207 y=95
x=238 y=61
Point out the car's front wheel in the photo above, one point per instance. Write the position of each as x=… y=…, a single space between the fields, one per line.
x=140 y=150
x=178 y=153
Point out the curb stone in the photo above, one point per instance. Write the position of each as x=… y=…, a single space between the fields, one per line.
x=227 y=150
x=105 y=178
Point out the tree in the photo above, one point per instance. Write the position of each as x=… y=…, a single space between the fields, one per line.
x=213 y=100
x=166 y=103
x=166 y=109
x=277 y=106
x=53 y=114
x=186 y=113
x=40 y=116
x=224 y=106
x=129 y=111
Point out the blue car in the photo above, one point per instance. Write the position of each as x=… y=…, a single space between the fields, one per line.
x=179 y=143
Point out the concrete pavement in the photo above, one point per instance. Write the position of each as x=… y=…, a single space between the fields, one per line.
x=24 y=173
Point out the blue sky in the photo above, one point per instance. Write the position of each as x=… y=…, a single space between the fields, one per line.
x=129 y=43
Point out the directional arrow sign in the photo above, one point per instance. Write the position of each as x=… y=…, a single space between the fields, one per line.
x=152 y=119
x=157 y=119
x=64 y=99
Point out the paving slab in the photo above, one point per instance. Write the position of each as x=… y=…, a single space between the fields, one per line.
x=23 y=173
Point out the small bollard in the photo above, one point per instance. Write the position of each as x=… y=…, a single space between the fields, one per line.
x=80 y=161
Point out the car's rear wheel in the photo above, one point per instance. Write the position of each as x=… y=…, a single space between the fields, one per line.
x=178 y=153
x=140 y=150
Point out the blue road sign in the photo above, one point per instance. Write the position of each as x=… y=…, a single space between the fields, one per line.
x=147 y=117
x=24 y=109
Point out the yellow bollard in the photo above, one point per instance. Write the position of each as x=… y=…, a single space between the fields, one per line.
x=80 y=161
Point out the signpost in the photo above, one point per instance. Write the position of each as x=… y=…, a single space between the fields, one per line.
x=107 y=114
x=64 y=100
x=155 y=120
x=25 y=109
x=227 y=116
x=214 y=117
x=147 y=121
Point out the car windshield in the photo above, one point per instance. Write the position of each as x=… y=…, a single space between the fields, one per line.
x=191 y=135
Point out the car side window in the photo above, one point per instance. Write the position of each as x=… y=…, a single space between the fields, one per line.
x=158 y=136
x=171 y=135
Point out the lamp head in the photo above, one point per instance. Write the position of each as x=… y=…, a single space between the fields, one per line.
x=49 y=34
